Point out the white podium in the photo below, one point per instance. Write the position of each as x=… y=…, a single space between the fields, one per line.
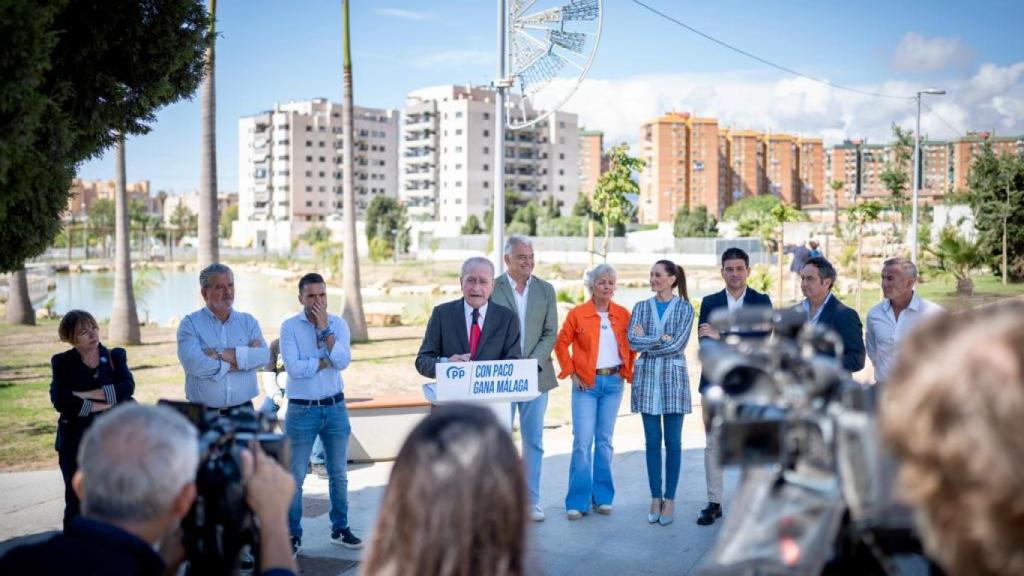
x=492 y=383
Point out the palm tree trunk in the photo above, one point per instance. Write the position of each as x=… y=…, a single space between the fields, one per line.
x=124 y=318
x=208 y=218
x=351 y=283
x=19 y=304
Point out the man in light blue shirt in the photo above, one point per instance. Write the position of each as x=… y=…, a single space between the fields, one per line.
x=316 y=348
x=219 y=348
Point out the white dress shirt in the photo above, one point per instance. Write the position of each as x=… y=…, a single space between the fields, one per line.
x=521 y=310
x=734 y=303
x=302 y=351
x=885 y=331
x=806 y=304
x=211 y=381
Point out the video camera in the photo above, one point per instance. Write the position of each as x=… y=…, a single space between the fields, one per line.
x=815 y=490
x=220 y=523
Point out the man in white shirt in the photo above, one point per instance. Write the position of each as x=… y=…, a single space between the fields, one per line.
x=533 y=301
x=220 y=348
x=892 y=319
x=315 y=346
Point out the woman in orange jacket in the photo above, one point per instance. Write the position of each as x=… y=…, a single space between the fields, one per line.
x=600 y=362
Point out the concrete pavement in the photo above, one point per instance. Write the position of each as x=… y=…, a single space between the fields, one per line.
x=620 y=543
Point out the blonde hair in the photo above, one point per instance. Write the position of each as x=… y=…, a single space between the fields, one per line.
x=953 y=414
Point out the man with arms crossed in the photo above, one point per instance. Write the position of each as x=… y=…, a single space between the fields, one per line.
x=735 y=271
x=219 y=348
x=316 y=348
x=892 y=319
x=533 y=301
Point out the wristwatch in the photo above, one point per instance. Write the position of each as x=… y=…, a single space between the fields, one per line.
x=220 y=357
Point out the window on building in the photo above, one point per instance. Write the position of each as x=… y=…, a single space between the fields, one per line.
x=309 y=188
x=487 y=167
x=309 y=158
x=309 y=203
x=561 y=156
x=458 y=132
x=458 y=114
x=309 y=128
x=309 y=143
x=309 y=173
x=487 y=133
x=322 y=159
x=487 y=115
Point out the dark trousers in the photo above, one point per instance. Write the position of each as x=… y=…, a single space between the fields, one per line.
x=68 y=440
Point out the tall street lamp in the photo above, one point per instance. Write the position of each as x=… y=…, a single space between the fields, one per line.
x=917 y=175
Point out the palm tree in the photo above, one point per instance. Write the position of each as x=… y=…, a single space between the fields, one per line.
x=353 y=308
x=19 y=303
x=959 y=256
x=124 y=318
x=208 y=218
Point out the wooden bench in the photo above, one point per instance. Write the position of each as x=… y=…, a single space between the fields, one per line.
x=380 y=425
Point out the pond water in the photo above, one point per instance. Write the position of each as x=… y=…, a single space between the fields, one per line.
x=163 y=295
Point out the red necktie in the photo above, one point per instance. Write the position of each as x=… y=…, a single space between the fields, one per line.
x=474 y=334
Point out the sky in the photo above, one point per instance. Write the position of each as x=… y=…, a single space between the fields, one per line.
x=283 y=50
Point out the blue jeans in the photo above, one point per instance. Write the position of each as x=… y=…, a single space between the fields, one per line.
x=531 y=429
x=303 y=424
x=673 y=452
x=594 y=412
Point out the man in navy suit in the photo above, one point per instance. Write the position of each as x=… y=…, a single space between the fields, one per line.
x=735 y=271
x=472 y=327
x=817 y=278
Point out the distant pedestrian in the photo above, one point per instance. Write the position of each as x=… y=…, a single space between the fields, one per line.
x=599 y=363
x=659 y=330
x=88 y=380
x=815 y=252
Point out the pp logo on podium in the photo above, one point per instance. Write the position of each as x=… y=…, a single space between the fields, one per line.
x=455 y=372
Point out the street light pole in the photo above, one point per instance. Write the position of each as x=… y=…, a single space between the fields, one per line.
x=917 y=174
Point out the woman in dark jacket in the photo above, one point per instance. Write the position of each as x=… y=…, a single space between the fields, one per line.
x=87 y=380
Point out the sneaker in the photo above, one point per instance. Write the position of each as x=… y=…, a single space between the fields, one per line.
x=296 y=545
x=603 y=508
x=346 y=538
x=573 y=514
x=537 y=515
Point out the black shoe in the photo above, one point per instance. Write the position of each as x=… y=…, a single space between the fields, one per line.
x=296 y=545
x=346 y=538
x=708 y=514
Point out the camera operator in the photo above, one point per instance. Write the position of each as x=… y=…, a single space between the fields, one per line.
x=952 y=413
x=136 y=481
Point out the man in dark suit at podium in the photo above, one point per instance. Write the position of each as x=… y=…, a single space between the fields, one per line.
x=735 y=271
x=471 y=328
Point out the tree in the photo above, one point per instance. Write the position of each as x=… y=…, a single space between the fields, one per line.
x=694 y=224
x=551 y=208
x=74 y=77
x=610 y=194
x=101 y=217
x=124 y=316
x=527 y=216
x=209 y=248
x=582 y=206
x=472 y=226
x=324 y=252
x=837 y=189
x=229 y=215
x=353 y=308
x=753 y=216
x=386 y=219
x=776 y=224
x=996 y=197
x=859 y=215
x=958 y=256
x=896 y=176
x=513 y=201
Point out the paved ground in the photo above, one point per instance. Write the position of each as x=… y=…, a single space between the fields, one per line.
x=621 y=543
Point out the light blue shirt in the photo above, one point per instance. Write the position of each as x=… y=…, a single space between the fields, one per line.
x=211 y=381
x=807 y=308
x=302 y=351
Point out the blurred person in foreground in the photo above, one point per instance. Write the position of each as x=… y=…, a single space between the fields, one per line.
x=600 y=364
x=88 y=380
x=456 y=502
x=952 y=412
x=136 y=481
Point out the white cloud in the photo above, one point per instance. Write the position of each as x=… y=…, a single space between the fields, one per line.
x=405 y=14
x=453 y=59
x=915 y=53
x=993 y=98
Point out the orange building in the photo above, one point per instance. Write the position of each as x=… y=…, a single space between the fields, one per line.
x=781 y=168
x=745 y=160
x=811 y=171
x=84 y=193
x=592 y=162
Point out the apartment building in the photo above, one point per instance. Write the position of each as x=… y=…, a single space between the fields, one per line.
x=781 y=167
x=811 y=172
x=83 y=193
x=746 y=165
x=447 y=156
x=682 y=166
x=592 y=160
x=291 y=169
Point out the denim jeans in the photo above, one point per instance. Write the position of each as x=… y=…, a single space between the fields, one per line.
x=594 y=412
x=673 y=452
x=302 y=425
x=531 y=429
